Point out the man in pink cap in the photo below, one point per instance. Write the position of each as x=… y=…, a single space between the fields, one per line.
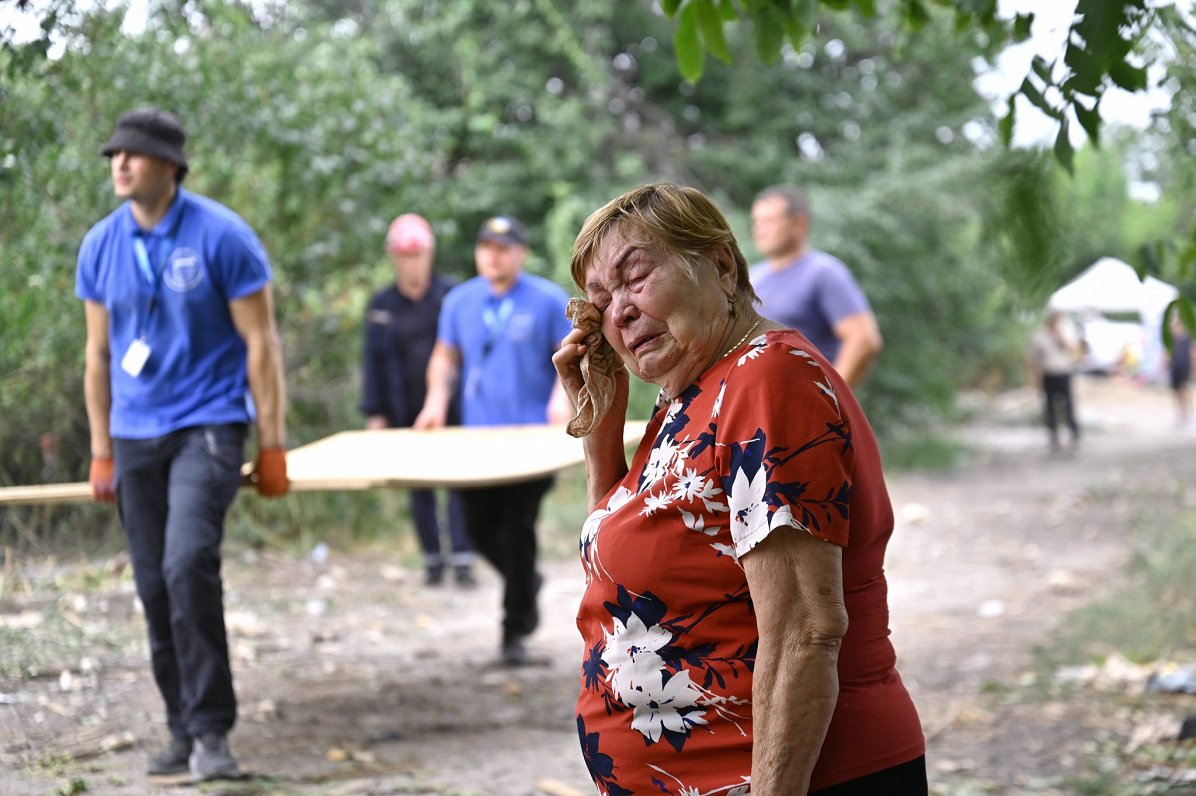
x=400 y=331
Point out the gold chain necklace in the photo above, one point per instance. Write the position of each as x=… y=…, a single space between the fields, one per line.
x=742 y=339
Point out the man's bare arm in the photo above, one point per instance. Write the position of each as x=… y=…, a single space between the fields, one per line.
x=860 y=343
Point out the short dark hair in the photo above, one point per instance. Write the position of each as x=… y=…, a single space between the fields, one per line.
x=797 y=203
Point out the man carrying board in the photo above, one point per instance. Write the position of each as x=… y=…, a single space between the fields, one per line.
x=182 y=354
x=495 y=341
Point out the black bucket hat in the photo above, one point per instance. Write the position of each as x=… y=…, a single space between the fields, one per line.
x=149 y=131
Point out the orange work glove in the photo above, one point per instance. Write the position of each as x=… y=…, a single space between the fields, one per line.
x=103 y=486
x=270 y=472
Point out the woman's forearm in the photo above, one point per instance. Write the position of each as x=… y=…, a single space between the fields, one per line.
x=606 y=461
x=796 y=583
x=794 y=689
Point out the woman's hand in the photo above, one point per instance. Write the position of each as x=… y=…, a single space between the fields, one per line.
x=606 y=460
x=567 y=361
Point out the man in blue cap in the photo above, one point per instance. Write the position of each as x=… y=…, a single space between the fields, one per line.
x=182 y=356
x=495 y=341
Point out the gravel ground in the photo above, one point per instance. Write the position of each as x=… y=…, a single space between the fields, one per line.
x=355 y=679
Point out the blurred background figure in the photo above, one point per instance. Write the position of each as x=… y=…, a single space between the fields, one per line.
x=494 y=348
x=1055 y=355
x=1179 y=369
x=400 y=332
x=809 y=290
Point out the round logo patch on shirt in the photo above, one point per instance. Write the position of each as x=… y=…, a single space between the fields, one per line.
x=184 y=270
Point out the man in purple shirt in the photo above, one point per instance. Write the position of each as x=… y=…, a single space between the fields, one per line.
x=807 y=289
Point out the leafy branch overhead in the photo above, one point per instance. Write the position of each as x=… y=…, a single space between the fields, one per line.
x=1103 y=48
x=1110 y=44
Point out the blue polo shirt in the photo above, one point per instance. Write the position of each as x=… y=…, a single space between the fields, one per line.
x=506 y=345
x=811 y=295
x=201 y=255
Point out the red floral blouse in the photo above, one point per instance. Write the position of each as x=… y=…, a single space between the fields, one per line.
x=768 y=439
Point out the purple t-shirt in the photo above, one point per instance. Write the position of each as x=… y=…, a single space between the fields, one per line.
x=811 y=295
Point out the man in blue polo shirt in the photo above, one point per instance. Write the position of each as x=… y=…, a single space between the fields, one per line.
x=182 y=355
x=495 y=341
x=809 y=290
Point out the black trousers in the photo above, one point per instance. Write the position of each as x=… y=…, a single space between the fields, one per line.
x=501 y=522
x=906 y=779
x=173 y=493
x=427 y=527
x=1058 y=405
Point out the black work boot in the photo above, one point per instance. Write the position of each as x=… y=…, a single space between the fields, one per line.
x=211 y=759
x=172 y=759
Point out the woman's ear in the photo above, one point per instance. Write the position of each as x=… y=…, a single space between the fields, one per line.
x=728 y=270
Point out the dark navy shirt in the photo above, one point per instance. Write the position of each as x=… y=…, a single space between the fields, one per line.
x=399 y=337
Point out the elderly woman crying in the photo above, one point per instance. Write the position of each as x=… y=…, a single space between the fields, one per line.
x=735 y=615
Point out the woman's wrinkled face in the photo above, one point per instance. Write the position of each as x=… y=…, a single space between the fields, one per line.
x=666 y=326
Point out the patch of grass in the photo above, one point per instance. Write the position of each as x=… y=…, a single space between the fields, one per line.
x=72 y=787
x=1154 y=616
x=1150 y=770
x=562 y=515
x=923 y=450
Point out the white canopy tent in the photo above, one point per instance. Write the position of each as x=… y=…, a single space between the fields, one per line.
x=1111 y=287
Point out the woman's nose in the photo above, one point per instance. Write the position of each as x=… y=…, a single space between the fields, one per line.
x=622 y=310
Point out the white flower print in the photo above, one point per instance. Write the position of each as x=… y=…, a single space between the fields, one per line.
x=707 y=494
x=741 y=788
x=593 y=524
x=757 y=348
x=630 y=654
x=829 y=390
x=654 y=503
x=689 y=485
x=660 y=461
x=783 y=516
x=696 y=522
x=824 y=386
x=797 y=352
x=749 y=513
x=725 y=549
x=671 y=413
x=659 y=708
x=718 y=402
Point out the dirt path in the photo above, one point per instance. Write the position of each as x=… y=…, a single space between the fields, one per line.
x=354 y=679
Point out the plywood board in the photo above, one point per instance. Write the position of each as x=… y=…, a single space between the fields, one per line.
x=401 y=458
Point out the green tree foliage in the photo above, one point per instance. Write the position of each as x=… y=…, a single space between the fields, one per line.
x=1100 y=53
x=1171 y=164
x=319 y=121
x=1110 y=45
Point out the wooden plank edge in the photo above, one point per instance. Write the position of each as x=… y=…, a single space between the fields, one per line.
x=80 y=491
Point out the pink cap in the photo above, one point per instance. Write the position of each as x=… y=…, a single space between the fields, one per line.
x=409 y=234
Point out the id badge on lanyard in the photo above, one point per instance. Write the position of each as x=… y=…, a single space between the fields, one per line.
x=138 y=352
x=496 y=324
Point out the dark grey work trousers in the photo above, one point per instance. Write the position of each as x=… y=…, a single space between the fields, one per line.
x=1058 y=405
x=501 y=521
x=427 y=527
x=173 y=493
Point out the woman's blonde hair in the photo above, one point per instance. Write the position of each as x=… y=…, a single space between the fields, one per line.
x=679 y=222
